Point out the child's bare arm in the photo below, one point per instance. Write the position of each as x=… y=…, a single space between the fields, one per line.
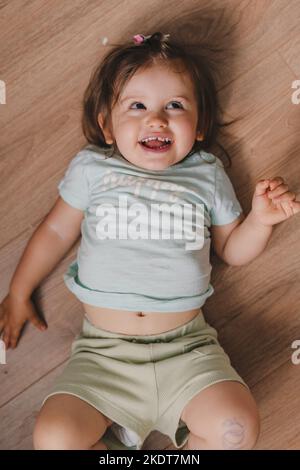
x=48 y=244
x=272 y=203
x=246 y=241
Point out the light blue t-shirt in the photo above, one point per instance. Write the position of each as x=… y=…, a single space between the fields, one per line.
x=145 y=241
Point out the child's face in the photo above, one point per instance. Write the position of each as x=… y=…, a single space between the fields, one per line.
x=152 y=103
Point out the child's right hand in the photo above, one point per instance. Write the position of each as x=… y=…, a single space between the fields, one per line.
x=14 y=313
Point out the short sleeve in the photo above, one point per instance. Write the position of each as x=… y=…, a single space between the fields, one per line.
x=226 y=207
x=74 y=187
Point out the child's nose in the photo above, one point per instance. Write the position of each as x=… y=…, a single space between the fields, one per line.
x=156 y=118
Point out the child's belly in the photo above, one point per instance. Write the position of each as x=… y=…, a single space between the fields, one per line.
x=137 y=323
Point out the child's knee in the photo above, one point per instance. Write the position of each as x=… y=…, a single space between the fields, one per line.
x=54 y=433
x=229 y=425
x=234 y=429
x=239 y=431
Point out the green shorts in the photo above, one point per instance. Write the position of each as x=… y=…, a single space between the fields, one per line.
x=144 y=382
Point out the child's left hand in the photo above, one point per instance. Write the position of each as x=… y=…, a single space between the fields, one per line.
x=272 y=202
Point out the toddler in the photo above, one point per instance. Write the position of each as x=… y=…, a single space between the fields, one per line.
x=148 y=198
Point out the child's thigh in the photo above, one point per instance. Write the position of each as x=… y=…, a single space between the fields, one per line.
x=67 y=422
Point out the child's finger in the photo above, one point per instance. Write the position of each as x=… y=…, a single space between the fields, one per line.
x=14 y=338
x=280 y=189
x=1 y=323
x=295 y=205
x=276 y=181
x=288 y=196
x=287 y=208
x=38 y=323
x=261 y=187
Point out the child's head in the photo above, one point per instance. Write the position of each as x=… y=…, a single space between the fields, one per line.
x=148 y=89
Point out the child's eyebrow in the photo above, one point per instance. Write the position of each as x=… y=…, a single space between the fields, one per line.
x=140 y=97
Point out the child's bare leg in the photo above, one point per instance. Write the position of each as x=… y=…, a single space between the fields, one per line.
x=222 y=416
x=69 y=423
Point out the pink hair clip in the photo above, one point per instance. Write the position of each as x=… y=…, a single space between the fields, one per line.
x=139 y=38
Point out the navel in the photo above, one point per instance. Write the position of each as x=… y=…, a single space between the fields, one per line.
x=141 y=314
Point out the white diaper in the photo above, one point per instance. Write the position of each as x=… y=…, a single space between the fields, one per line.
x=128 y=437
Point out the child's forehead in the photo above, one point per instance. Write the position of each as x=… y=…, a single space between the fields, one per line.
x=157 y=71
x=158 y=80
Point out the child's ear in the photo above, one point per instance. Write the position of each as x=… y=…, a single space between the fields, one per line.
x=106 y=131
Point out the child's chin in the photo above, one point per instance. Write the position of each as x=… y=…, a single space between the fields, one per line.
x=156 y=165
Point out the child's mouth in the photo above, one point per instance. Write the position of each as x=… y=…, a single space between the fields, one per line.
x=155 y=146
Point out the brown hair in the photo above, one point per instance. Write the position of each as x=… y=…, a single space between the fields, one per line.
x=123 y=61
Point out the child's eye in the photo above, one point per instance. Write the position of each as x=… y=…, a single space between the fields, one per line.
x=136 y=103
x=176 y=102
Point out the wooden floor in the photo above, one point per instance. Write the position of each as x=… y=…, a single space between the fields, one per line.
x=47 y=51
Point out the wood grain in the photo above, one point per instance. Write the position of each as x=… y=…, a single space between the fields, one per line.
x=48 y=50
